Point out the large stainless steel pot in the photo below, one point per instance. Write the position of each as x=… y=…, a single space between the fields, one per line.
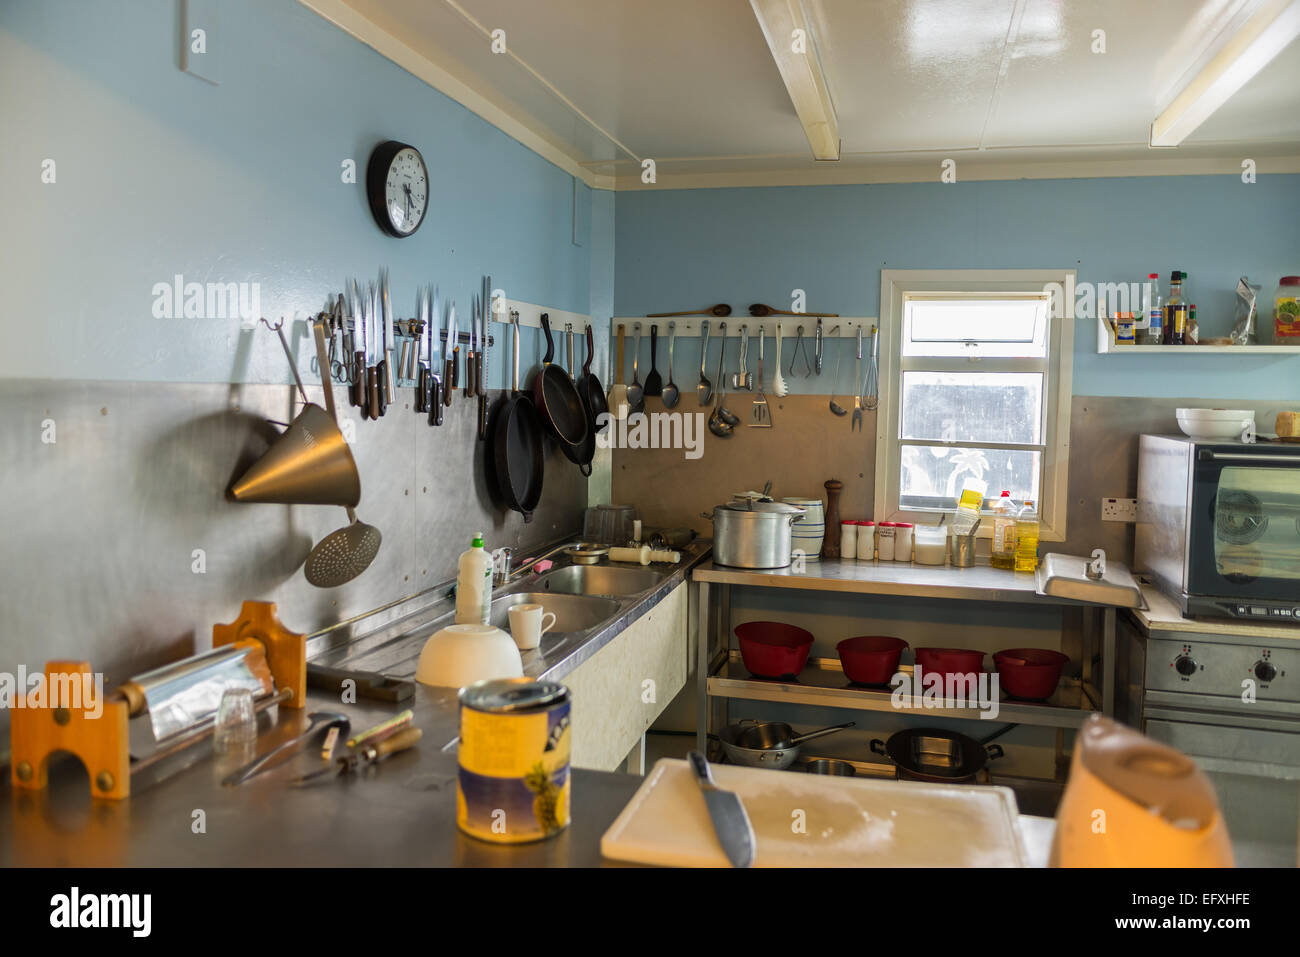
x=753 y=534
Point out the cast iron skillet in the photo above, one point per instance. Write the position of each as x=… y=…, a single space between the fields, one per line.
x=581 y=454
x=556 y=397
x=589 y=388
x=515 y=460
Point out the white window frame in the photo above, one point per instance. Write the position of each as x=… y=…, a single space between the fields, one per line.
x=895 y=286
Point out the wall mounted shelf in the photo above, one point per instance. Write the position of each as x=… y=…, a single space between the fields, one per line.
x=1106 y=346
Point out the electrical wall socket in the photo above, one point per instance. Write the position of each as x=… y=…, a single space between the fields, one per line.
x=1119 y=510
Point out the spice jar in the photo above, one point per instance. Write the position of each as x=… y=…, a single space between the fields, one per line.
x=867 y=541
x=885 y=533
x=902 y=541
x=848 y=539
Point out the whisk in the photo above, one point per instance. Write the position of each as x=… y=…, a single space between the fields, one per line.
x=871 y=388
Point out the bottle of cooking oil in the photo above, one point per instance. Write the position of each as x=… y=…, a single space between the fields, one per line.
x=1027 y=538
x=1003 y=553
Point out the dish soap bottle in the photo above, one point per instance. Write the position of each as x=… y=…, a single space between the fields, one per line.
x=1027 y=538
x=474 y=584
x=1003 y=553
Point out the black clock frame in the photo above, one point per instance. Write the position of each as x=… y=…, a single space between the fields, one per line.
x=381 y=158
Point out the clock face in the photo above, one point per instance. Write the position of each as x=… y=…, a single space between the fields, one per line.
x=398 y=187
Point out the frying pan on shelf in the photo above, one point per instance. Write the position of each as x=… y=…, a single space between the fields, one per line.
x=515 y=457
x=556 y=397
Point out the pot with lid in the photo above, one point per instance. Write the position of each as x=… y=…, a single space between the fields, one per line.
x=753 y=534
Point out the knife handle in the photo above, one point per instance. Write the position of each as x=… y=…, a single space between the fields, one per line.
x=422 y=391
x=449 y=380
x=700 y=767
x=435 y=400
x=391 y=745
x=372 y=392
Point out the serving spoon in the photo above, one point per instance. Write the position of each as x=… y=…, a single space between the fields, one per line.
x=670 y=393
x=705 y=389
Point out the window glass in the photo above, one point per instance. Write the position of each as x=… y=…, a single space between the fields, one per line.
x=932 y=476
x=973 y=407
x=1006 y=328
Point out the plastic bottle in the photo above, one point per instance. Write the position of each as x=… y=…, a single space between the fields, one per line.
x=1027 y=538
x=1003 y=552
x=1153 y=305
x=474 y=584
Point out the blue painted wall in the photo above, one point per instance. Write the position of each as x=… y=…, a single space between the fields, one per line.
x=685 y=249
x=159 y=173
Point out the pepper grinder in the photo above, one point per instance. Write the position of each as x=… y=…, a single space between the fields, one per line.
x=831 y=540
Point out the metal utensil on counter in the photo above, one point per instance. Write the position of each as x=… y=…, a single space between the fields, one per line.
x=836 y=408
x=705 y=389
x=870 y=391
x=344 y=554
x=654 y=382
x=760 y=414
x=317 y=721
x=670 y=393
x=364 y=757
x=856 y=426
x=730 y=822
x=636 y=391
x=586 y=553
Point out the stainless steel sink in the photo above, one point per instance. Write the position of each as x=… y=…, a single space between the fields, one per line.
x=600 y=580
x=572 y=612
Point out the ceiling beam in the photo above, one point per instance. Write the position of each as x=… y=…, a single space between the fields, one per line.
x=1265 y=34
x=791 y=41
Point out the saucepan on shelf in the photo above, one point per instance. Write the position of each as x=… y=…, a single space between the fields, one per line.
x=938 y=756
x=768 y=744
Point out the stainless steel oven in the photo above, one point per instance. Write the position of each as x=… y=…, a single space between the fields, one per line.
x=1218 y=526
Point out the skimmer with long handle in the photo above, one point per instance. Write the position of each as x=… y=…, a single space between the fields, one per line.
x=344 y=554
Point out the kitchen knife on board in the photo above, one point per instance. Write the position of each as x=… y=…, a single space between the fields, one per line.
x=730 y=822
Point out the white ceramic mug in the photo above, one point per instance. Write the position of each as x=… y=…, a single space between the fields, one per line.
x=527 y=627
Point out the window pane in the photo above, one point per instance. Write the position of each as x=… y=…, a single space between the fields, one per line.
x=932 y=476
x=985 y=327
x=972 y=407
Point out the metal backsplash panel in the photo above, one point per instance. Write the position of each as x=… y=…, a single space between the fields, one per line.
x=121 y=547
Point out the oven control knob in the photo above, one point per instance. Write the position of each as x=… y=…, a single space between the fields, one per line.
x=1185 y=665
x=1265 y=672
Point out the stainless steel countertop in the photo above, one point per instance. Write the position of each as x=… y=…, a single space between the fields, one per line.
x=401 y=813
x=1162 y=615
x=978 y=583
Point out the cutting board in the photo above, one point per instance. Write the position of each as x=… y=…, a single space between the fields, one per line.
x=810 y=820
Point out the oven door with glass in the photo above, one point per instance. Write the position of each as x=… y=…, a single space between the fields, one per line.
x=1243 y=543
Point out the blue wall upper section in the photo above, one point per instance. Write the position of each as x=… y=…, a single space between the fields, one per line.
x=159 y=173
x=681 y=249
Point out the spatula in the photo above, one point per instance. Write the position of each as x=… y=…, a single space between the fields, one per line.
x=654 y=384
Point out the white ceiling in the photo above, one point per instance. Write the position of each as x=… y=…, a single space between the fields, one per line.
x=1006 y=87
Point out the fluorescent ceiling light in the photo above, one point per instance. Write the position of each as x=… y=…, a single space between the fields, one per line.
x=1262 y=37
x=801 y=69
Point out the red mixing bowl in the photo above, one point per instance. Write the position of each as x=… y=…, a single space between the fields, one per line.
x=773 y=649
x=870 y=659
x=954 y=661
x=1030 y=673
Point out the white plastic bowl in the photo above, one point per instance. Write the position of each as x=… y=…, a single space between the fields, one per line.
x=459 y=655
x=1209 y=424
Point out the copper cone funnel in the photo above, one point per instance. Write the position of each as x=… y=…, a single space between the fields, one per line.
x=309 y=464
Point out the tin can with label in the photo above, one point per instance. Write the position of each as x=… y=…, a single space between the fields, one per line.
x=514 y=782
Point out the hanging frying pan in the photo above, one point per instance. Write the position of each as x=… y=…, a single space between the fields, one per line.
x=581 y=454
x=515 y=458
x=556 y=397
x=589 y=388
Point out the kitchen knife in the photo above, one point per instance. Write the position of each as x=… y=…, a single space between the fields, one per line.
x=358 y=390
x=373 y=398
x=453 y=346
x=730 y=821
x=386 y=342
x=435 y=377
x=484 y=337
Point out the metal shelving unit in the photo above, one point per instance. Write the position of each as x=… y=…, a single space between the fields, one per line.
x=822 y=684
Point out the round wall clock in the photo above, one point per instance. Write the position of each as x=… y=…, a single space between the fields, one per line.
x=397 y=184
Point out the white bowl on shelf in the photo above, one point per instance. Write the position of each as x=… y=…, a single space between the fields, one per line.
x=1209 y=424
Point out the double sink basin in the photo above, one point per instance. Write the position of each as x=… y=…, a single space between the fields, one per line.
x=585 y=599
